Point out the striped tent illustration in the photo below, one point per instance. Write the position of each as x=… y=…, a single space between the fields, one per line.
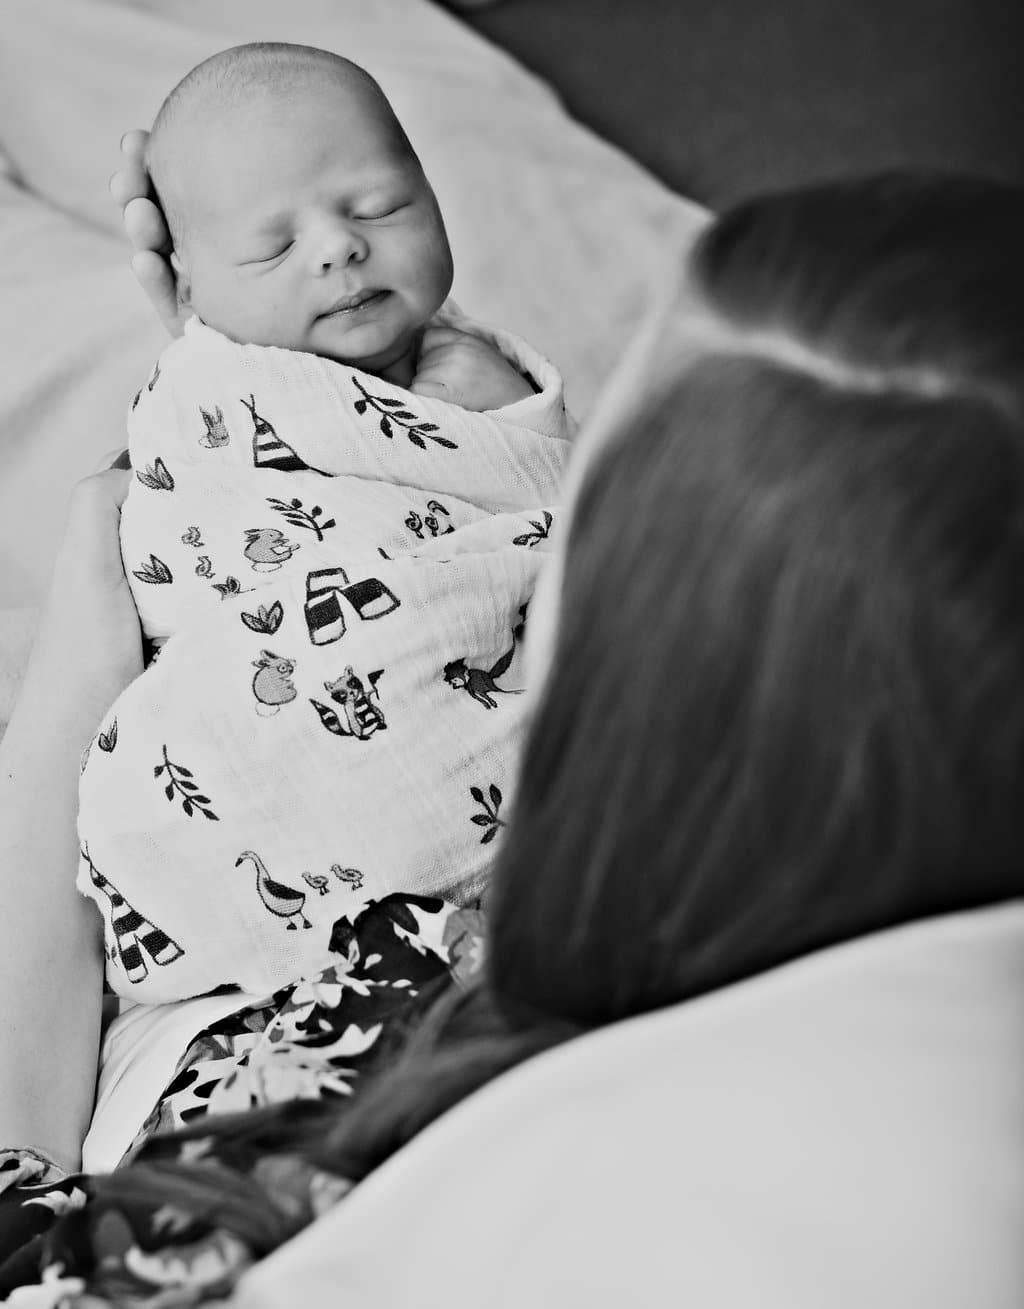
x=269 y=451
x=134 y=936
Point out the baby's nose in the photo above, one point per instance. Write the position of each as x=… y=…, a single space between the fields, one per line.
x=339 y=245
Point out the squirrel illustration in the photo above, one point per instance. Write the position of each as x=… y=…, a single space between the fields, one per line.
x=216 y=430
x=272 y=685
x=267 y=549
x=362 y=715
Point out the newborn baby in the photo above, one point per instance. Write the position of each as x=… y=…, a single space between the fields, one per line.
x=341 y=506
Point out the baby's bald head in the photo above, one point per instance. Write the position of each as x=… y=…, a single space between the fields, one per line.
x=300 y=215
x=230 y=81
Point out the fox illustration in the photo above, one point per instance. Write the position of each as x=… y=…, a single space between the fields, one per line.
x=272 y=685
x=481 y=683
x=267 y=549
x=216 y=430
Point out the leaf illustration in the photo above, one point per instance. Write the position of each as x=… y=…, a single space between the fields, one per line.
x=431 y=427
x=477 y=794
x=296 y=504
x=360 y=406
x=404 y=413
x=495 y=796
x=482 y=820
x=169 y=790
x=391 y=404
x=400 y=914
x=108 y=739
x=417 y=440
x=329 y=523
x=316 y=511
x=155 y=572
x=442 y=440
x=385 y=427
x=182 y=771
x=488 y=837
x=208 y=813
x=187 y=806
x=158 y=770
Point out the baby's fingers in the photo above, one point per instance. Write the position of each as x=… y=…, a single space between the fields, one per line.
x=153 y=274
x=431 y=388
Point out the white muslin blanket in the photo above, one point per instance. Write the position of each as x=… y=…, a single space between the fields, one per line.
x=340 y=571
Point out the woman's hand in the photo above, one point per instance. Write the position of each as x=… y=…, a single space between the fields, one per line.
x=146 y=228
x=89 y=645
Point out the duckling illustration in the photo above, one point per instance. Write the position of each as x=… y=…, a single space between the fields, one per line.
x=280 y=900
x=352 y=876
x=267 y=549
x=272 y=685
x=317 y=881
x=268 y=450
x=216 y=429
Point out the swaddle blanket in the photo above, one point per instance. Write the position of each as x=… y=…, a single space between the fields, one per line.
x=341 y=571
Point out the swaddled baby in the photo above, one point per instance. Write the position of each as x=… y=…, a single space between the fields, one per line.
x=341 y=504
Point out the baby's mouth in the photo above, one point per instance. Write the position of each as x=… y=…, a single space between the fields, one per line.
x=351 y=304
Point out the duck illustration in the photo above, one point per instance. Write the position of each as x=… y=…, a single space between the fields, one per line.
x=352 y=876
x=280 y=900
x=317 y=881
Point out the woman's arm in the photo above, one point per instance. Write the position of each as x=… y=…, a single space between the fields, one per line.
x=87 y=649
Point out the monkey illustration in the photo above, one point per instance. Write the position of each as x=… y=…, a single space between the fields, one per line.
x=216 y=430
x=267 y=549
x=272 y=685
x=362 y=715
x=481 y=683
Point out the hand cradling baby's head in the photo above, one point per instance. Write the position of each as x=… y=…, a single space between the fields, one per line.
x=299 y=212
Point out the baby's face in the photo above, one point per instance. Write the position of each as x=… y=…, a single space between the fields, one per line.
x=309 y=226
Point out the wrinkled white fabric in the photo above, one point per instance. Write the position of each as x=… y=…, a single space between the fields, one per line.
x=340 y=569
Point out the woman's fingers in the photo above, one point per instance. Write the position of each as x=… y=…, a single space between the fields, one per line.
x=146 y=226
x=133 y=143
x=153 y=273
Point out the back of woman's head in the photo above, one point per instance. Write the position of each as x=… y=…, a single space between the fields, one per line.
x=786 y=700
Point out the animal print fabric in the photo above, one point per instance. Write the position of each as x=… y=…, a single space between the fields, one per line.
x=310 y=1043
x=339 y=573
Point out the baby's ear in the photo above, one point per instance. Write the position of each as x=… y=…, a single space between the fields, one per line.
x=182 y=281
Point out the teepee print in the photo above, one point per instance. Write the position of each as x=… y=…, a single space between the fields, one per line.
x=269 y=451
x=134 y=936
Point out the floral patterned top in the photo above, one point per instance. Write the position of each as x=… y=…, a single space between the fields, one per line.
x=310 y=1041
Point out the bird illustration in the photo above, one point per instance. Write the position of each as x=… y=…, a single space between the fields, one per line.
x=267 y=549
x=280 y=900
x=352 y=876
x=317 y=881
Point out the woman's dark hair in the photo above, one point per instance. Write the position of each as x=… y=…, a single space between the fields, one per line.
x=786 y=699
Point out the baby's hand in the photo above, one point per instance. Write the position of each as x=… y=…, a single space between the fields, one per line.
x=146 y=228
x=466 y=371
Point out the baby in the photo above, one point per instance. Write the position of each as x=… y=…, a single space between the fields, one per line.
x=337 y=523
